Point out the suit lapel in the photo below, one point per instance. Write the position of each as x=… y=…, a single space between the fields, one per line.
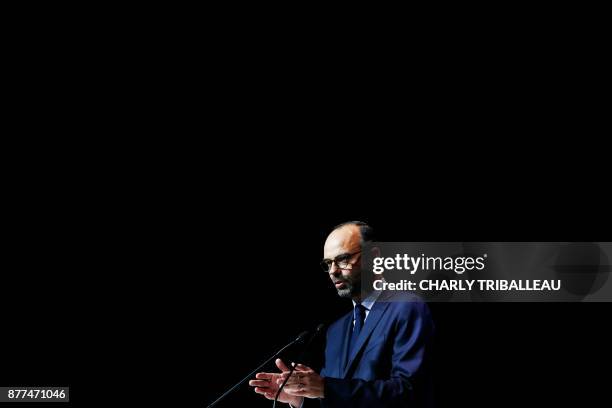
x=344 y=335
x=371 y=322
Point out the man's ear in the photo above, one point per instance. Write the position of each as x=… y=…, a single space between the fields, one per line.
x=375 y=252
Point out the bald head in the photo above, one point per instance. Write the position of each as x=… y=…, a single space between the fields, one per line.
x=343 y=240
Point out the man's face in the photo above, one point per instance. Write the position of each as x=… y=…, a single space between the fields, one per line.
x=343 y=245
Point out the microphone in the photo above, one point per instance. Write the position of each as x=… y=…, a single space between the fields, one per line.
x=295 y=363
x=298 y=339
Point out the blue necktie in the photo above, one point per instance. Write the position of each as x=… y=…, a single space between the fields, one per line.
x=359 y=314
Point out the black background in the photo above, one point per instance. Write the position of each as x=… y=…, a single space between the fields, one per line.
x=165 y=265
x=487 y=353
x=166 y=270
x=125 y=303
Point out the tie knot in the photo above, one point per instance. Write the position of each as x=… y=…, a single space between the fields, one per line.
x=360 y=310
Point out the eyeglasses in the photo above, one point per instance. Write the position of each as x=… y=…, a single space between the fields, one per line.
x=341 y=261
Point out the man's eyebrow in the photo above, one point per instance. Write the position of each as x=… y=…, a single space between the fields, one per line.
x=338 y=256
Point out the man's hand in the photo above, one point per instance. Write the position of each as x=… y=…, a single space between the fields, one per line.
x=267 y=384
x=304 y=382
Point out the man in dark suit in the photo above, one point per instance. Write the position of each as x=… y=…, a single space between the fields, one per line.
x=378 y=355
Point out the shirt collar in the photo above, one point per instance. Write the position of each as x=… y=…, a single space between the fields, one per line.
x=368 y=302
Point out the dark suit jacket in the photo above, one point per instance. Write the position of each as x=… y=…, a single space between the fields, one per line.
x=390 y=363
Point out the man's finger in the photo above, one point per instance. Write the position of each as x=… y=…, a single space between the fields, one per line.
x=293 y=379
x=294 y=375
x=281 y=366
x=299 y=368
x=260 y=383
x=303 y=368
x=264 y=376
x=302 y=393
x=291 y=388
x=297 y=391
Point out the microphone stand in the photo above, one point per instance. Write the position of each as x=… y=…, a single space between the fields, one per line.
x=298 y=339
x=295 y=363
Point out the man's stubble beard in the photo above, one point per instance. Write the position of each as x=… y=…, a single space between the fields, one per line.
x=351 y=290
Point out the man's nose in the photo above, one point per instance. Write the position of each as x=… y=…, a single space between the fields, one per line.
x=333 y=269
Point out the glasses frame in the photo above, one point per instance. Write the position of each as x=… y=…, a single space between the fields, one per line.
x=326 y=264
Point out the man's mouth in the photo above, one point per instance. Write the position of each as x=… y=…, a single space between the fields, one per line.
x=340 y=284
